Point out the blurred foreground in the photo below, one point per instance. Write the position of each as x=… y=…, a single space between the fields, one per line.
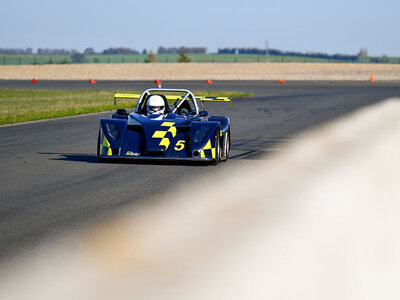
x=319 y=221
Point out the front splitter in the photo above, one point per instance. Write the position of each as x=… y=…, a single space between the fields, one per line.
x=157 y=160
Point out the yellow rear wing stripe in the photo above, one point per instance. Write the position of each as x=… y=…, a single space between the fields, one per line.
x=172 y=97
x=129 y=96
x=214 y=99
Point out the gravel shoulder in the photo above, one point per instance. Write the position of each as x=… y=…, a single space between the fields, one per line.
x=202 y=71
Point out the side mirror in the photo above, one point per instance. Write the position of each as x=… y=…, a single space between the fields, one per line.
x=121 y=111
x=203 y=113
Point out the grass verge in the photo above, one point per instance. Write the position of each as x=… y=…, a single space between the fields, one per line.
x=29 y=105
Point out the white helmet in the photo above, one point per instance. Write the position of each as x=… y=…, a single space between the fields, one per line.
x=155 y=105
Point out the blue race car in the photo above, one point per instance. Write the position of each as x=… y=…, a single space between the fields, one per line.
x=166 y=125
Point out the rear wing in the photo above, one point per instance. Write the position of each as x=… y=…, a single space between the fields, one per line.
x=213 y=99
x=125 y=96
x=173 y=97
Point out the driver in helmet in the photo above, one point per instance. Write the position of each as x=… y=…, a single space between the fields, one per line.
x=155 y=107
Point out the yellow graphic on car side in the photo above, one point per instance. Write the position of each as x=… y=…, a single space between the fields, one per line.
x=161 y=134
x=206 y=150
x=105 y=147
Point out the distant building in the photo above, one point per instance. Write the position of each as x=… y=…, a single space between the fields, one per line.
x=15 y=51
x=187 y=50
x=342 y=57
x=48 y=51
x=228 y=51
x=120 y=50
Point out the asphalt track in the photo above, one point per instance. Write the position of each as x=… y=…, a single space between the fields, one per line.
x=51 y=182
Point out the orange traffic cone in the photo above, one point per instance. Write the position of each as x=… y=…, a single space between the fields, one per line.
x=158 y=82
x=372 y=77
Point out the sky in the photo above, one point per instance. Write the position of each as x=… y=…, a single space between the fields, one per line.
x=305 y=25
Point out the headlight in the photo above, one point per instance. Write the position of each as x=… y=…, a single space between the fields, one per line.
x=200 y=134
x=113 y=130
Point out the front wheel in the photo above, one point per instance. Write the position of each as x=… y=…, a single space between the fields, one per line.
x=98 y=143
x=218 y=150
x=226 y=144
x=100 y=146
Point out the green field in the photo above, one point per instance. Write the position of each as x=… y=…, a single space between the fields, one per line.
x=29 y=105
x=28 y=59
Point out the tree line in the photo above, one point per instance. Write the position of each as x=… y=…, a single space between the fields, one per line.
x=117 y=50
x=277 y=52
x=80 y=56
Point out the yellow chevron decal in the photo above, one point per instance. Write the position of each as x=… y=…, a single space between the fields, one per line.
x=165 y=142
x=169 y=124
x=160 y=134
x=172 y=130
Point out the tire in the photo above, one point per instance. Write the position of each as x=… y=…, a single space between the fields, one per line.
x=227 y=144
x=98 y=143
x=100 y=159
x=217 y=149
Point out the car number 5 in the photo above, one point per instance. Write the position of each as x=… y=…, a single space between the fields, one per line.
x=180 y=145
